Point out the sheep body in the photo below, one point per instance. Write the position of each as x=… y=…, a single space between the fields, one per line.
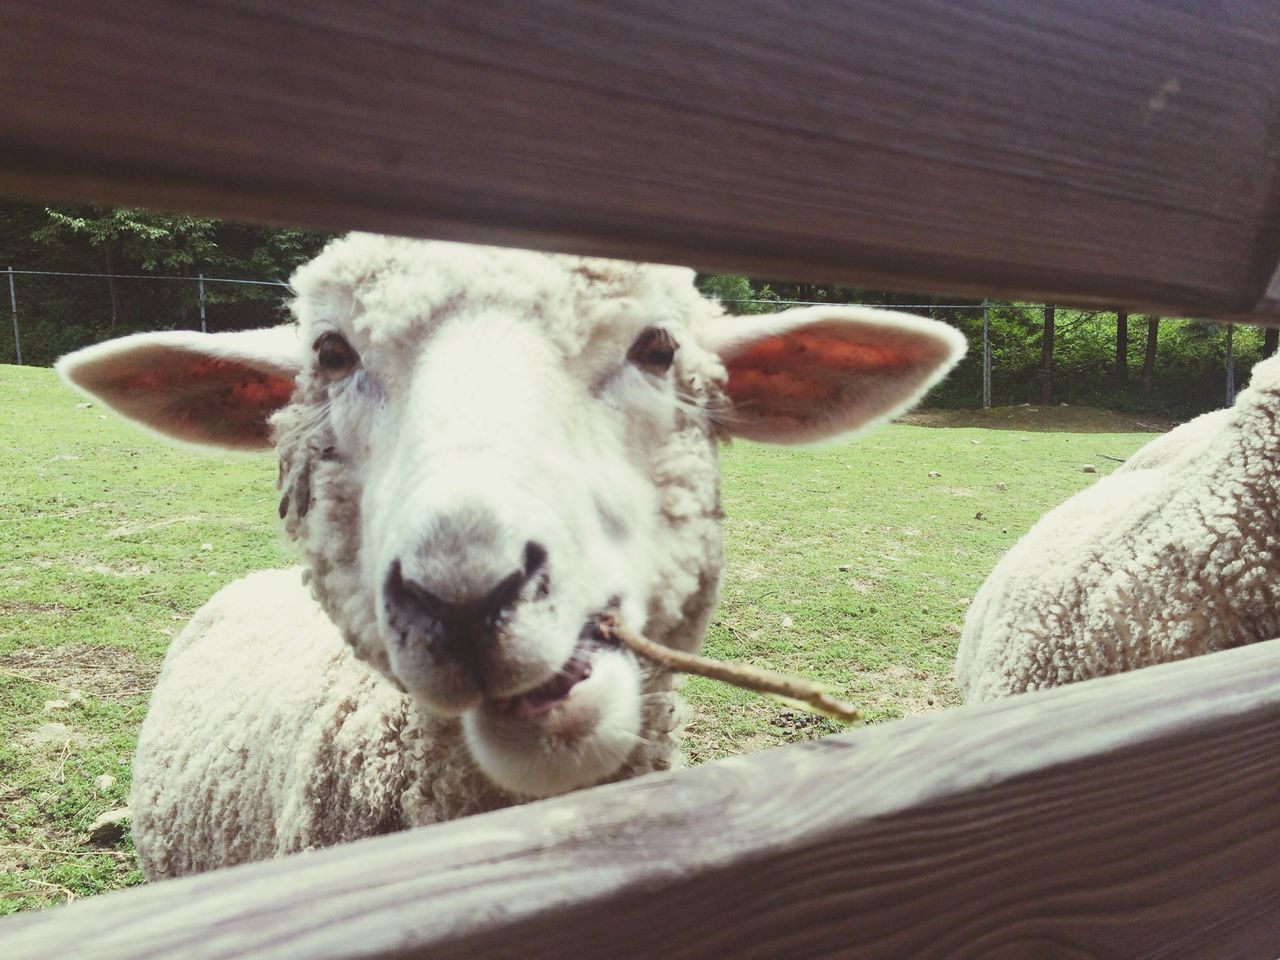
x=309 y=748
x=1172 y=556
x=544 y=423
x=1187 y=440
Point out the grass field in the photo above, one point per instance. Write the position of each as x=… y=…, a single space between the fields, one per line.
x=852 y=564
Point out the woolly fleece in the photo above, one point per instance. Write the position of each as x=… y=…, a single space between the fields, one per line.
x=1173 y=555
x=278 y=724
x=307 y=748
x=271 y=730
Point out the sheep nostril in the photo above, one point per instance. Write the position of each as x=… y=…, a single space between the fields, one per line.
x=466 y=616
x=535 y=556
x=412 y=598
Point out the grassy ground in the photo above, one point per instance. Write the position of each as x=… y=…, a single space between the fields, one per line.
x=852 y=564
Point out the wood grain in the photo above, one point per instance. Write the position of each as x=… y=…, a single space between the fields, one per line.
x=1133 y=816
x=1073 y=151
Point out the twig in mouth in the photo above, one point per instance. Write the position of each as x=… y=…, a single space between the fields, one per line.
x=804 y=693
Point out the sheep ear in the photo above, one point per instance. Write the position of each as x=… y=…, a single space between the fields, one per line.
x=213 y=389
x=813 y=373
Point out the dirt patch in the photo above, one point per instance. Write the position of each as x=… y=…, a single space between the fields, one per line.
x=105 y=672
x=1042 y=419
x=908 y=691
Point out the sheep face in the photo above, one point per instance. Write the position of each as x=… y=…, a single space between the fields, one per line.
x=482 y=450
x=484 y=453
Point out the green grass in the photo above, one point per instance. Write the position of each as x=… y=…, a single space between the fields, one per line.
x=848 y=564
x=108 y=542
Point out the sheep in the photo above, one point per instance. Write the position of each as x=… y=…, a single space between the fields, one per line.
x=481 y=451
x=1186 y=440
x=1172 y=556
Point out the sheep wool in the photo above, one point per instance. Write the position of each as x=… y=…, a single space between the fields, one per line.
x=481 y=452
x=305 y=746
x=1173 y=555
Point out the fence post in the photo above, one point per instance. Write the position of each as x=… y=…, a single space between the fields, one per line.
x=13 y=306
x=1231 y=365
x=201 y=287
x=986 y=354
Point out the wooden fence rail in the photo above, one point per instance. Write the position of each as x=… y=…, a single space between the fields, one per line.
x=1058 y=150
x=1134 y=816
x=1063 y=150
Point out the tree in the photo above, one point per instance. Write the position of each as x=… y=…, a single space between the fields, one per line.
x=258 y=253
x=738 y=293
x=1046 y=357
x=1149 y=356
x=1270 y=340
x=149 y=243
x=1122 y=345
x=149 y=240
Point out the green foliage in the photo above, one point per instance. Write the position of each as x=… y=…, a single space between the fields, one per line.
x=738 y=294
x=1189 y=375
x=60 y=313
x=146 y=241
x=142 y=238
x=255 y=253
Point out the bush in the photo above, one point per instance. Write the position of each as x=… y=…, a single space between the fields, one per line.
x=1189 y=375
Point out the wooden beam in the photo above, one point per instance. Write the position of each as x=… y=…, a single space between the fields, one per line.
x=1069 y=151
x=1133 y=816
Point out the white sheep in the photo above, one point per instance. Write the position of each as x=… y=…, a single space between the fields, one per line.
x=1185 y=440
x=1173 y=555
x=480 y=451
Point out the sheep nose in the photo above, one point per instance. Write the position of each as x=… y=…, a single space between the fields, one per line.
x=461 y=621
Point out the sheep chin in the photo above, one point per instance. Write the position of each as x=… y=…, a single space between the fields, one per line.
x=580 y=741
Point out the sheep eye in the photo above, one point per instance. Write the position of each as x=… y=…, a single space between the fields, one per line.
x=654 y=350
x=334 y=354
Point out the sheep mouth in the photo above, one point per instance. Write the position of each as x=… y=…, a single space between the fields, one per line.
x=545 y=697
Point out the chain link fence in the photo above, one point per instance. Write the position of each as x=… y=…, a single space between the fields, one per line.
x=55 y=311
x=1193 y=365
x=1179 y=367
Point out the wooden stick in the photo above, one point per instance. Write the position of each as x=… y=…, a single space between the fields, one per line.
x=803 y=693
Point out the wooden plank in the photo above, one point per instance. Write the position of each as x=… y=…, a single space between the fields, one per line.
x=1070 y=151
x=1133 y=816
